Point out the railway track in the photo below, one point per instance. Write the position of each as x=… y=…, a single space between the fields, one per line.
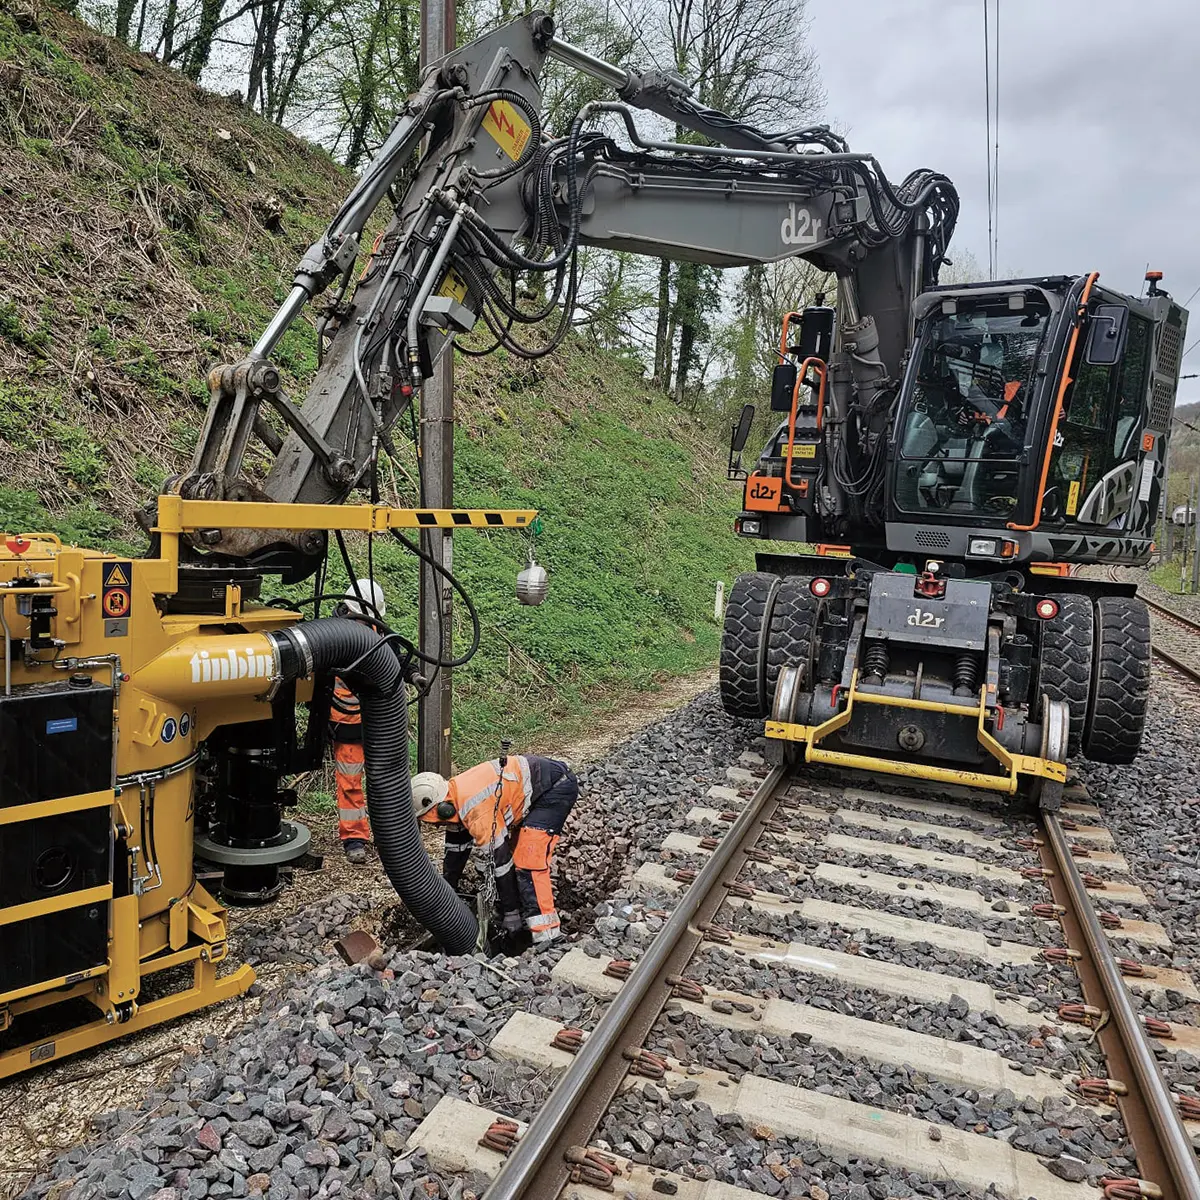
x=1190 y=669
x=815 y=887
x=1176 y=620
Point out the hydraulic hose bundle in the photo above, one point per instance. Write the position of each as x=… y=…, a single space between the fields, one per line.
x=369 y=665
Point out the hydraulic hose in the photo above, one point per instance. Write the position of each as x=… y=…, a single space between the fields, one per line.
x=370 y=667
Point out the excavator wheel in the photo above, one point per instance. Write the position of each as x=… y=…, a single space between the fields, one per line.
x=1120 y=680
x=1065 y=662
x=744 y=644
x=792 y=640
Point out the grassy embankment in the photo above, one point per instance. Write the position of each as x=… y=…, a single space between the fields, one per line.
x=147 y=228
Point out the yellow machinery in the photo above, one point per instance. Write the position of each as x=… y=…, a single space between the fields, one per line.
x=107 y=697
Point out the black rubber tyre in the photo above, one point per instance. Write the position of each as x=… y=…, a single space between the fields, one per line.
x=793 y=630
x=744 y=644
x=1065 y=663
x=1120 y=680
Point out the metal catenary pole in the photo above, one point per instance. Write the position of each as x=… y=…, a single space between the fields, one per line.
x=1185 y=536
x=438 y=21
x=1195 y=531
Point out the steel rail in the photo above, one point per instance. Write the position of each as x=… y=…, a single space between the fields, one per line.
x=1170 y=613
x=1192 y=672
x=1183 y=668
x=533 y=1153
x=1172 y=1137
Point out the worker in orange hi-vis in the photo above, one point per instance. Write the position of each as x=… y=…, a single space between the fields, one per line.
x=345 y=732
x=483 y=807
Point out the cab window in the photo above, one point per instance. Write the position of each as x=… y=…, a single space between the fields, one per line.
x=1093 y=467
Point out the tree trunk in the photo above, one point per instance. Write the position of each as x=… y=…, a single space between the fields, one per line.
x=198 y=55
x=687 y=289
x=365 y=117
x=124 y=19
x=168 y=35
x=687 y=344
x=662 y=346
x=263 y=24
x=279 y=104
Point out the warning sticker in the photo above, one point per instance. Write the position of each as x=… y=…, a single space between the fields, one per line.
x=1073 y=498
x=116 y=596
x=806 y=450
x=454 y=286
x=508 y=127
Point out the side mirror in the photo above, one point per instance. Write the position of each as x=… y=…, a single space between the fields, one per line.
x=741 y=431
x=1106 y=335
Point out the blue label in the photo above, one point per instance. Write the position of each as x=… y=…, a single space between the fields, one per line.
x=169 y=729
x=63 y=725
x=185 y=724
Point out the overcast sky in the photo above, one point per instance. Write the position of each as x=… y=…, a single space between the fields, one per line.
x=1099 y=126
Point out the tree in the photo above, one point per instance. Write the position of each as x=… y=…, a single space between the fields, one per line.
x=720 y=48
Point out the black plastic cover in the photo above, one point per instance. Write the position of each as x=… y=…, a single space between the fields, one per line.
x=55 y=741
x=783 y=386
x=816 y=333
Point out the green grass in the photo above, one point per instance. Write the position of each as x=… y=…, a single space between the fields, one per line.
x=1166 y=575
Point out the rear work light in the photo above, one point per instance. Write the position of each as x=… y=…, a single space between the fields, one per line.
x=820 y=587
x=1047 y=609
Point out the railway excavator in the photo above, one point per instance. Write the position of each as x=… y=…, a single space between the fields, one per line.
x=956 y=440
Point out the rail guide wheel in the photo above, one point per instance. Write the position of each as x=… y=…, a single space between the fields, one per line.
x=791 y=706
x=1056 y=735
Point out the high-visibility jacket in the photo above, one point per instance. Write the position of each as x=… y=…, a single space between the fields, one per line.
x=535 y=793
x=345 y=727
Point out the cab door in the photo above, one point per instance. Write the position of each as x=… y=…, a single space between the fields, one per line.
x=1095 y=476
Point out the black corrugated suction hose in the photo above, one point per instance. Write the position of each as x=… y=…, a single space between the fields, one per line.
x=336 y=644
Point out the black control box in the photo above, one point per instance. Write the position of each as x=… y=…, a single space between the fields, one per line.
x=55 y=741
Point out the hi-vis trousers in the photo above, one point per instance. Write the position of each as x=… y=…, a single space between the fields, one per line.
x=345 y=728
x=535 y=851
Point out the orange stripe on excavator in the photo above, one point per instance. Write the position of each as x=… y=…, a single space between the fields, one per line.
x=819 y=366
x=1064 y=382
x=787 y=321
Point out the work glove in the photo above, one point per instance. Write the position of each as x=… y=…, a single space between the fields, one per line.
x=512 y=922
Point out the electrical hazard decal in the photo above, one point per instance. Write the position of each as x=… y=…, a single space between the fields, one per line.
x=506 y=125
x=1073 y=498
x=116 y=596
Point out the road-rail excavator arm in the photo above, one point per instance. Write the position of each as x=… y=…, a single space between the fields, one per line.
x=481 y=193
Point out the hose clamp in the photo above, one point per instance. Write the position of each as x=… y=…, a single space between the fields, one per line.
x=296 y=633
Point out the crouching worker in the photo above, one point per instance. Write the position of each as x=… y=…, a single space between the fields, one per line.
x=521 y=798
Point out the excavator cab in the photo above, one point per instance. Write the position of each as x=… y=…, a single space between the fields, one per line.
x=1022 y=431
x=1032 y=423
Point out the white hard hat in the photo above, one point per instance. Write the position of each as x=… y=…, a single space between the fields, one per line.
x=429 y=789
x=372 y=593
